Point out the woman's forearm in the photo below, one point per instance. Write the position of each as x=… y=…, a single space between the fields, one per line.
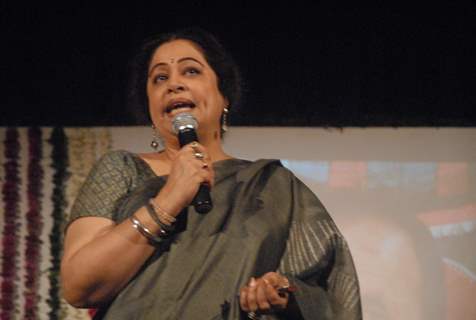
x=95 y=272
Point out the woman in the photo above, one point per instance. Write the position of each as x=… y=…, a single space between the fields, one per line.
x=137 y=250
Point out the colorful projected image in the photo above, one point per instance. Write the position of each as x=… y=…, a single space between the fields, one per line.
x=410 y=226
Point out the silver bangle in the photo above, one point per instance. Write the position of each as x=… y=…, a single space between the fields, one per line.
x=166 y=217
x=153 y=239
x=164 y=228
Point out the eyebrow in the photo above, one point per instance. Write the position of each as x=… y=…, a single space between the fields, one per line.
x=178 y=61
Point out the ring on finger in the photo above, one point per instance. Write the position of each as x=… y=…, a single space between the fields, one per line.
x=194 y=146
x=253 y=315
x=199 y=155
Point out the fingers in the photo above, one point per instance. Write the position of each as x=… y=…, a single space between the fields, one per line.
x=275 y=300
x=187 y=173
x=262 y=294
x=203 y=161
x=199 y=151
x=272 y=278
x=244 y=299
x=248 y=296
x=251 y=295
x=276 y=281
x=262 y=297
x=193 y=164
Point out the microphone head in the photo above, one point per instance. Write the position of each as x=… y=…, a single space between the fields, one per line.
x=184 y=121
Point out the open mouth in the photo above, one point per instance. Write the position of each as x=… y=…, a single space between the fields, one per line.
x=179 y=105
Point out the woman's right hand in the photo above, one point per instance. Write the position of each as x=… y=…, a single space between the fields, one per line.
x=186 y=175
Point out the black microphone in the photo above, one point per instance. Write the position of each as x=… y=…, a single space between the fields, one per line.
x=184 y=125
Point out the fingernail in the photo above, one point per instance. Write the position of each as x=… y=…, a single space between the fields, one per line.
x=252 y=282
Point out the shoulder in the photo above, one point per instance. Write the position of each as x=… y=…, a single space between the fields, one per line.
x=118 y=162
x=116 y=156
x=120 y=158
x=270 y=168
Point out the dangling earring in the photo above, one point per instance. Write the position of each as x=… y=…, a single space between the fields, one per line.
x=156 y=139
x=224 y=124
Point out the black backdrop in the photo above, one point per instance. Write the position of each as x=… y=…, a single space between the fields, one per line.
x=303 y=65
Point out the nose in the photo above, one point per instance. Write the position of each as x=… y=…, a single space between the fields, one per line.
x=175 y=85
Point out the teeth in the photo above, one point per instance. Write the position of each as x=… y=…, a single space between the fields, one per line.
x=179 y=105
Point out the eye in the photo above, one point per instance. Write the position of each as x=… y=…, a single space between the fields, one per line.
x=160 y=78
x=191 y=71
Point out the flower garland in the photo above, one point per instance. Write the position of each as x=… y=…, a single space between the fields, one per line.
x=81 y=155
x=10 y=239
x=34 y=224
x=59 y=164
x=104 y=141
x=82 y=144
x=72 y=153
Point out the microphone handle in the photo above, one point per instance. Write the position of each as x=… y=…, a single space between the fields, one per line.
x=202 y=201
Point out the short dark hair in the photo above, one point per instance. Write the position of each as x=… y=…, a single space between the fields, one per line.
x=228 y=74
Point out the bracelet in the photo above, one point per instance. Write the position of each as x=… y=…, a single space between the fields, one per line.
x=167 y=218
x=153 y=239
x=163 y=226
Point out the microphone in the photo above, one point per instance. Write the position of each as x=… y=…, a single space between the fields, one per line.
x=184 y=125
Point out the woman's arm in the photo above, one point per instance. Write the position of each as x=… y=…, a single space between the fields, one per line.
x=100 y=257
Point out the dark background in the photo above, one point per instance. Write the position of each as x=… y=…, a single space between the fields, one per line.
x=303 y=65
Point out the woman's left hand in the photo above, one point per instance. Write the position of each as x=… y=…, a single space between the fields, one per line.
x=262 y=295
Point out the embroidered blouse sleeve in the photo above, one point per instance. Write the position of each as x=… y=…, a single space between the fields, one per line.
x=107 y=183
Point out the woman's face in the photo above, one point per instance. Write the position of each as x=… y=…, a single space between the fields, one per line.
x=181 y=80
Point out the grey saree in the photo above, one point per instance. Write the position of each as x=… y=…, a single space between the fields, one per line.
x=264 y=219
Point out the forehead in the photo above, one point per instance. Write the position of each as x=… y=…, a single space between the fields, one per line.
x=176 y=49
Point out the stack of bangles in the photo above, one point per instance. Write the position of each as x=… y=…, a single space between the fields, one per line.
x=164 y=220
